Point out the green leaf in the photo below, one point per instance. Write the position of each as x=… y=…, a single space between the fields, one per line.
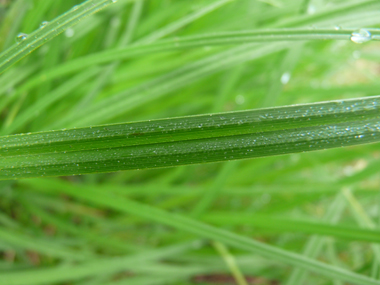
x=189 y=140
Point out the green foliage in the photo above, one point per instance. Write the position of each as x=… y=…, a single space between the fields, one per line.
x=103 y=86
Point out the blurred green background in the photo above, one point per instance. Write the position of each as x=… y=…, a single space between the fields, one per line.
x=46 y=235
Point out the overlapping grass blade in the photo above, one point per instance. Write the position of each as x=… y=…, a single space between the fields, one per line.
x=200 y=229
x=178 y=43
x=49 y=31
x=96 y=267
x=315 y=243
x=23 y=241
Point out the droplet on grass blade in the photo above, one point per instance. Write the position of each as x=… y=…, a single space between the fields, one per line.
x=69 y=32
x=20 y=37
x=311 y=9
x=361 y=36
x=285 y=77
x=43 y=24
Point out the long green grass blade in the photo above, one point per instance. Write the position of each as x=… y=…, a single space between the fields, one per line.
x=189 y=140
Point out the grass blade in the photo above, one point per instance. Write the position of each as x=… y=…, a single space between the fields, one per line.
x=196 y=139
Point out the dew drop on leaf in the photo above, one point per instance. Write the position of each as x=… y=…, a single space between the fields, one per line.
x=361 y=36
x=20 y=37
x=285 y=77
x=43 y=24
x=69 y=32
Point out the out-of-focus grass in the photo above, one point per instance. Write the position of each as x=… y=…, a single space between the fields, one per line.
x=309 y=218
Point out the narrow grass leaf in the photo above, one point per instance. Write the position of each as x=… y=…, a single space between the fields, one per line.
x=189 y=140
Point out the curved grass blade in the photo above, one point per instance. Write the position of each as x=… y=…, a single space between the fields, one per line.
x=49 y=31
x=191 y=140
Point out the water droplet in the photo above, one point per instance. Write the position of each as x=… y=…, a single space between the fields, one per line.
x=239 y=99
x=75 y=8
x=361 y=36
x=69 y=32
x=337 y=27
x=114 y=1
x=43 y=24
x=20 y=37
x=311 y=9
x=285 y=77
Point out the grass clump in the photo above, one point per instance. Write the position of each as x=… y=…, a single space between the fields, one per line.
x=183 y=95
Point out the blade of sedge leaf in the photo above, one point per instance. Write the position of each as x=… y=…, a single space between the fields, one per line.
x=190 y=140
x=206 y=231
x=49 y=31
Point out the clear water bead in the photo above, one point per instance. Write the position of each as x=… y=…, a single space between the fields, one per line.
x=114 y=1
x=361 y=36
x=69 y=32
x=285 y=77
x=20 y=37
x=43 y=24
